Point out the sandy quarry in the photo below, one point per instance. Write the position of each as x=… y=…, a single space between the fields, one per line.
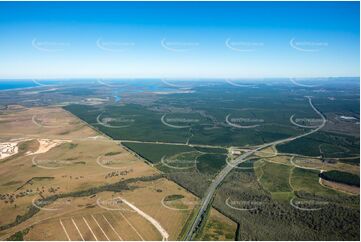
x=46 y=144
x=63 y=159
x=8 y=149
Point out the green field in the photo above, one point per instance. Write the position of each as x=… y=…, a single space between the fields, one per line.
x=307 y=181
x=275 y=178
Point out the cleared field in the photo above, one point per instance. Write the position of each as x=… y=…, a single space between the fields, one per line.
x=318 y=164
x=280 y=159
x=65 y=168
x=275 y=178
x=110 y=225
x=101 y=217
x=56 y=194
x=50 y=122
x=308 y=181
x=310 y=166
x=341 y=187
x=267 y=152
x=218 y=228
x=121 y=226
x=171 y=215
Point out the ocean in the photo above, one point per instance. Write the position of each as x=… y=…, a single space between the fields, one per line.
x=16 y=84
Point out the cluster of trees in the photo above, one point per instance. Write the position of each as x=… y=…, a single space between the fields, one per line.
x=337 y=219
x=342 y=177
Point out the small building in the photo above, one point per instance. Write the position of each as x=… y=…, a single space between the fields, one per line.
x=235 y=152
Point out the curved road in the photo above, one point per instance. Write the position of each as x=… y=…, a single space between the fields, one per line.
x=226 y=170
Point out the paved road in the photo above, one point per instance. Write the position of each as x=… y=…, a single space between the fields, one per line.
x=225 y=171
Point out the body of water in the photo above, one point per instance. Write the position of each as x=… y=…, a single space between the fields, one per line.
x=116 y=99
x=14 y=84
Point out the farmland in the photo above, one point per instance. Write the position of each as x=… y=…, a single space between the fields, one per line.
x=89 y=176
x=180 y=120
x=68 y=182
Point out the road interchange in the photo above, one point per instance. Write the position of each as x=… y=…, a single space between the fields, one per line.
x=207 y=199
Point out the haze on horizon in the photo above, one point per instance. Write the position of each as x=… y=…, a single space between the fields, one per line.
x=179 y=39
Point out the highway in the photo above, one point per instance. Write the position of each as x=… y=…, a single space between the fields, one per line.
x=205 y=203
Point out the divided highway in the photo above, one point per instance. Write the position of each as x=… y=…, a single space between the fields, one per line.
x=205 y=203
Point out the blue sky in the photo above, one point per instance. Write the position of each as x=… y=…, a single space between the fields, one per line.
x=179 y=40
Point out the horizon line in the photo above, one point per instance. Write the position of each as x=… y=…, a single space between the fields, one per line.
x=170 y=78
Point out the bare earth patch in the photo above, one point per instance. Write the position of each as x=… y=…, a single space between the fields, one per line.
x=65 y=160
x=341 y=187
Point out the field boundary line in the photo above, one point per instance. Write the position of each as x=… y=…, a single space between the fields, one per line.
x=76 y=226
x=87 y=124
x=90 y=229
x=100 y=227
x=131 y=225
x=111 y=226
x=66 y=233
